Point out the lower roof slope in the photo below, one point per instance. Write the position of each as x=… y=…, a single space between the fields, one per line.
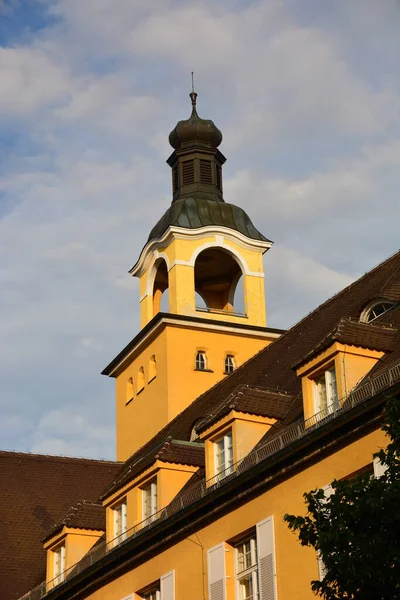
x=36 y=493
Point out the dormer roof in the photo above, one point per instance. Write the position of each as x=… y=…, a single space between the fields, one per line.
x=374 y=336
x=82 y=515
x=167 y=451
x=249 y=400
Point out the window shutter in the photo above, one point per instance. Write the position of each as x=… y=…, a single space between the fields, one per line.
x=328 y=491
x=216 y=573
x=167 y=586
x=266 y=559
x=379 y=468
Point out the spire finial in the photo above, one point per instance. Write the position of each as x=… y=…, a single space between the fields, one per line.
x=193 y=94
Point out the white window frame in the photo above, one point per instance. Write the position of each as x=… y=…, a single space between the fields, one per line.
x=249 y=572
x=325 y=392
x=230 y=365
x=59 y=564
x=223 y=454
x=120 y=522
x=150 y=492
x=201 y=361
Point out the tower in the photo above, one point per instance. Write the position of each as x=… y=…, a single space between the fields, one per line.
x=198 y=254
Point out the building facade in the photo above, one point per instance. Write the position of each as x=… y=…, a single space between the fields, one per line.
x=222 y=422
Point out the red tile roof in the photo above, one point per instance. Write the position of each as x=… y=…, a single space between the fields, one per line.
x=249 y=400
x=83 y=515
x=374 y=336
x=36 y=493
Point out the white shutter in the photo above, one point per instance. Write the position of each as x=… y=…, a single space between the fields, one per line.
x=379 y=468
x=328 y=491
x=167 y=586
x=216 y=572
x=266 y=559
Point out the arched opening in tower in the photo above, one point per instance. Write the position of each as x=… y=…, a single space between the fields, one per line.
x=217 y=275
x=160 y=288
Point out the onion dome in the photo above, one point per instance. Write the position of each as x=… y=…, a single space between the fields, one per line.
x=195 y=131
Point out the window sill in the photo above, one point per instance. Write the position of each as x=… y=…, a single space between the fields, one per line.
x=152 y=379
x=140 y=391
x=204 y=370
x=128 y=401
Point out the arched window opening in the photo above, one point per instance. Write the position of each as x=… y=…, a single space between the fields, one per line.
x=152 y=368
x=160 y=286
x=140 y=380
x=130 y=392
x=217 y=274
x=201 y=361
x=372 y=312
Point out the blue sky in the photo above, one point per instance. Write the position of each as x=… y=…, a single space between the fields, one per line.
x=307 y=95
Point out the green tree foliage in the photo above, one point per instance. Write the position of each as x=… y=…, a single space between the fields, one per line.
x=356 y=530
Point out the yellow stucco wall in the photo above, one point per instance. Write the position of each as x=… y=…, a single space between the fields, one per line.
x=177 y=382
x=296 y=566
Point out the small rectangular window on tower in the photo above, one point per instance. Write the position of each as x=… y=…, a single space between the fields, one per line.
x=188 y=172
x=229 y=364
x=205 y=171
x=201 y=361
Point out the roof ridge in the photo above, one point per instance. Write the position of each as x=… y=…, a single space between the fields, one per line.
x=12 y=453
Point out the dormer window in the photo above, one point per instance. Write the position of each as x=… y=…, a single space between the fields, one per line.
x=376 y=310
x=223 y=455
x=229 y=364
x=326 y=397
x=201 y=361
x=59 y=564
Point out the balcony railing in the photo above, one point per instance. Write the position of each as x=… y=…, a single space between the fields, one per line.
x=204 y=487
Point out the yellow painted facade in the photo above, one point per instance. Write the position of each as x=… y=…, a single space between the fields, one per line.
x=176 y=382
x=296 y=566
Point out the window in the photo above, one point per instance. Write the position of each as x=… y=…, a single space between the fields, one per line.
x=201 y=361
x=153 y=594
x=149 y=495
x=247 y=569
x=59 y=564
x=129 y=390
x=224 y=455
x=229 y=363
x=152 y=368
x=376 y=311
x=140 y=380
x=326 y=399
x=120 y=522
